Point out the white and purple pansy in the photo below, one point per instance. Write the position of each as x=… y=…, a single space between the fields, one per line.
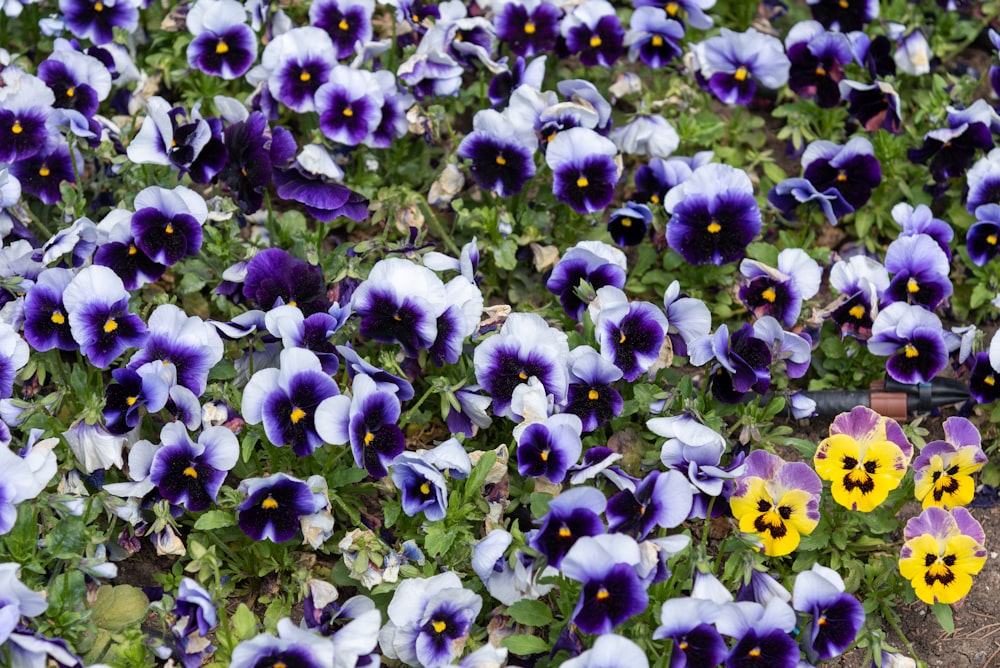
x=274 y=506
x=189 y=473
x=97 y=307
x=630 y=334
x=224 y=45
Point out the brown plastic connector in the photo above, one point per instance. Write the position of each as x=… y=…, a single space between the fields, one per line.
x=889 y=404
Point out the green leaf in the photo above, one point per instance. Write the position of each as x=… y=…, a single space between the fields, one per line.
x=438 y=539
x=119 y=606
x=224 y=370
x=530 y=613
x=478 y=476
x=68 y=538
x=942 y=612
x=346 y=476
x=523 y=645
x=214 y=519
x=244 y=622
x=190 y=282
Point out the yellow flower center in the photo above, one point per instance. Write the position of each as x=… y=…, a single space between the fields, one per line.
x=582 y=182
x=841 y=176
x=110 y=325
x=602 y=594
x=348 y=112
x=269 y=503
x=857 y=312
x=130 y=401
x=912 y=286
x=98 y=7
x=990 y=380
x=70 y=92
x=714 y=227
x=910 y=351
x=500 y=160
x=755 y=652
x=369 y=437
x=672 y=8
x=439 y=626
x=626 y=222
x=564 y=531
x=58 y=318
x=44 y=171
x=191 y=473
x=595 y=41
x=844 y=4
x=169 y=229
x=820 y=72
x=741 y=74
x=992 y=240
x=132 y=250
x=296 y=415
x=593 y=395
x=529 y=28
x=425 y=489
x=655 y=199
x=522 y=375
x=657 y=41
x=544 y=455
x=16 y=128
x=343 y=25
x=221 y=47
x=769 y=295
x=305 y=76
x=622 y=338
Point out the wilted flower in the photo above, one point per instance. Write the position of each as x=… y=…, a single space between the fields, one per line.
x=865 y=458
x=776 y=501
x=508 y=584
x=874 y=106
x=942 y=551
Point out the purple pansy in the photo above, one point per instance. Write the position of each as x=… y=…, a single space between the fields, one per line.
x=593 y=262
x=630 y=334
x=313 y=180
x=526 y=347
x=921 y=220
x=224 y=45
x=851 y=169
x=273 y=507
x=788 y=194
x=298 y=63
x=584 y=168
x=919 y=271
x=97 y=306
x=844 y=15
x=42 y=174
x=167 y=224
x=96 y=19
x=429 y=621
x=400 y=302
x=861 y=282
x=286 y=400
x=23 y=117
x=817 y=61
x=594 y=33
x=984 y=182
x=689 y=318
x=274 y=277
x=528 y=28
x=731 y=64
x=313 y=333
x=662 y=499
x=501 y=152
x=347 y=22
x=612 y=590
x=187 y=343
x=914 y=341
x=349 y=105
x=46 y=321
x=691 y=12
x=591 y=395
x=653 y=37
x=572 y=515
x=629 y=225
x=835 y=617
x=367 y=420
x=874 y=106
x=132 y=391
x=761 y=633
x=190 y=474
x=742 y=362
x=780 y=292
x=548 y=448
x=713 y=215
x=420 y=478
x=983 y=239
x=689 y=623
x=79 y=81
x=253 y=148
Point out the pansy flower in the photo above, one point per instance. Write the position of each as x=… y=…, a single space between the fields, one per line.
x=691 y=12
x=861 y=280
x=312 y=333
x=286 y=400
x=187 y=343
x=593 y=31
x=630 y=334
x=874 y=105
x=167 y=224
x=420 y=478
x=731 y=64
x=96 y=19
x=528 y=28
x=46 y=321
x=762 y=634
x=689 y=622
x=743 y=362
x=132 y=391
x=914 y=341
x=224 y=45
x=506 y=583
x=921 y=220
x=429 y=621
x=943 y=470
x=400 y=303
x=274 y=505
x=942 y=551
x=23 y=131
x=610 y=651
x=41 y=174
x=662 y=499
x=366 y=420
x=689 y=318
x=864 y=458
x=119 y=252
x=983 y=180
x=526 y=347
x=349 y=105
x=591 y=394
x=777 y=502
x=347 y=22
x=851 y=169
x=780 y=292
x=983 y=382
x=817 y=61
x=983 y=238
x=844 y=15
x=654 y=179
x=584 y=168
x=713 y=215
x=253 y=149
x=298 y=62
x=274 y=276
x=97 y=307
x=593 y=262
x=835 y=617
x=14 y=354
x=612 y=590
x=572 y=515
x=788 y=194
x=190 y=474
x=653 y=37
x=548 y=448
x=79 y=81
x=501 y=152
x=920 y=272
x=629 y=225
x=313 y=180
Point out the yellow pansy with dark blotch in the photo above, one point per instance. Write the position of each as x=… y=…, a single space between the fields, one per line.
x=944 y=469
x=943 y=550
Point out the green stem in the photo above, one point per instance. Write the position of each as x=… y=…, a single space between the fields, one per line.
x=413 y=409
x=434 y=223
x=890 y=617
